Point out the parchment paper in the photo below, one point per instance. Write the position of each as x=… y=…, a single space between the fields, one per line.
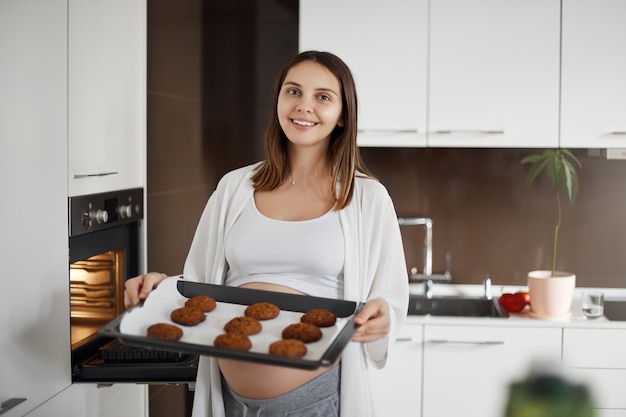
x=165 y=298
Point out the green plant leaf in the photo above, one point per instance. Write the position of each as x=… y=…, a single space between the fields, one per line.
x=569 y=181
x=530 y=159
x=572 y=157
x=553 y=167
x=535 y=169
x=560 y=169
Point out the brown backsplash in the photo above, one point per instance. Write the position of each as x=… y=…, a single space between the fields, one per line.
x=210 y=69
x=493 y=224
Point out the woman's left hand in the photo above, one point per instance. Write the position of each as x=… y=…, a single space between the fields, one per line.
x=373 y=320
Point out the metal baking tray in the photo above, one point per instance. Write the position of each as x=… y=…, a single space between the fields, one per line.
x=130 y=327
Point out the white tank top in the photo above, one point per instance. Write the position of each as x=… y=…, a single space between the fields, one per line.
x=304 y=255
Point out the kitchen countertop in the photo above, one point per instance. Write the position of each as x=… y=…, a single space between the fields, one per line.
x=576 y=319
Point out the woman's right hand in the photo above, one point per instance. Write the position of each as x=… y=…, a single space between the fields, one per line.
x=138 y=288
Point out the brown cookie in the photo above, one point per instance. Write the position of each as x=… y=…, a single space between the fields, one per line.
x=319 y=317
x=203 y=302
x=188 y=316
x=243 y=325
x=293 y=348
x=262 y=311
x=165 y=331
x=306 y=332
x=233 y=341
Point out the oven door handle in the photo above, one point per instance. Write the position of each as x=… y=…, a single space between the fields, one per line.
x=10 y=403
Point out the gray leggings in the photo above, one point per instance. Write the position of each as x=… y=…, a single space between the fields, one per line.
x=317 y=398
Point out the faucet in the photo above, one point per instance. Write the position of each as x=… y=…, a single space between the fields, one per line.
x=428 y=239
x=427 y=274
x=428 y=288
x=487 y=287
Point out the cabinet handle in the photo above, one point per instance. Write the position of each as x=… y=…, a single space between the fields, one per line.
x=468 y=342
x=388 y=131
x=619 y=132
x=469 y=132
x=10 y=403
x=100 y=174
x=404 y=339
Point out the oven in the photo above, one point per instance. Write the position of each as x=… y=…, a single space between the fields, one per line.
x=104 y=248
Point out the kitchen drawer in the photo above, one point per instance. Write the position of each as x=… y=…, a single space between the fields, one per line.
x=606 y=386
x=594 y=348
x=470 y=362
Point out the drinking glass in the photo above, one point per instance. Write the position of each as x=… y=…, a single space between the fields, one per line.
x=593 y=304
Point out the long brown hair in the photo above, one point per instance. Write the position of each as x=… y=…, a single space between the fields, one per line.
x=343 y=152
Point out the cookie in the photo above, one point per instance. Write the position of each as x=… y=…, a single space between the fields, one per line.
x=164 y=331
x=262 y=311
x=306 y=332
x=243 y=325
x=188 y=316
x=292 y=348
x=319 y=317
x=203 y=302
x=233 y=341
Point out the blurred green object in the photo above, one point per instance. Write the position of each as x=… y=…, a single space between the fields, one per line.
x=549 y=396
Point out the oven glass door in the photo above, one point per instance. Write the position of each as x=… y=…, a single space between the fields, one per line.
x=100 y=262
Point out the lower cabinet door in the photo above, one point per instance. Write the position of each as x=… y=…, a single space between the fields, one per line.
x=91 y=400
x=119 y=400
x=606 y=386
x=595 y=357
x=59 y=405
x=396 y=389
x=468 y=369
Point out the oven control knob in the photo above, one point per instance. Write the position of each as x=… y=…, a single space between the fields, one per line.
x=100 y=216
x=125 y=211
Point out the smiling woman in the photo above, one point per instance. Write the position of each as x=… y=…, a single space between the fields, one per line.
x=314 y=93
x=308 y=219
x=310 y=109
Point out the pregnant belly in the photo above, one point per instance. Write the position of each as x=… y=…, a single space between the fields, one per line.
x=259 y=381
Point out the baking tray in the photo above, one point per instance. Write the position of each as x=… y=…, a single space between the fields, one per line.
x=130 y=327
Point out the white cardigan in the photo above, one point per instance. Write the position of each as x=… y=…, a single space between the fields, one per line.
x=374 y=267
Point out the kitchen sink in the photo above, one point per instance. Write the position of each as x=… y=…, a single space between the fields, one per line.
x=454 y=307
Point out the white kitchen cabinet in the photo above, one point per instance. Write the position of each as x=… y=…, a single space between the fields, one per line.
x=34 y=288
x=494 y=73
x=483 y=73
x=385 y=46
x=60 y=405
x=91 y=400
x=119 y=400
x=107 y=95
x=397 y=388
x=468 y=369
x=593 y=103
x=594 y=348
x=596 y=358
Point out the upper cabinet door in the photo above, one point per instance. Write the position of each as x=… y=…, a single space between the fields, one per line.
x=106 y=95
x=593 y=105
x=34 y=290
x=385 y=45
x=494 y=73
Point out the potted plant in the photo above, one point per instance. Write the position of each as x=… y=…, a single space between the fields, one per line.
x=551 y=291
